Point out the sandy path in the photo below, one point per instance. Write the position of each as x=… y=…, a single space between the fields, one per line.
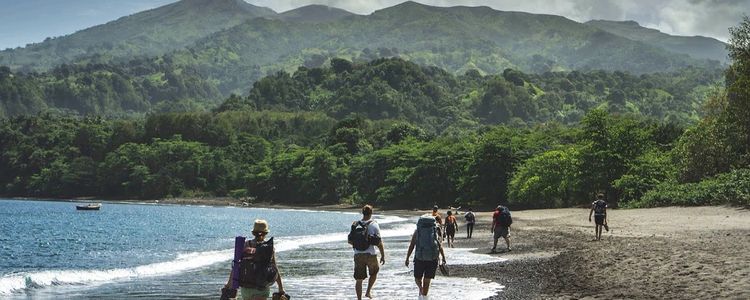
x=659 y=253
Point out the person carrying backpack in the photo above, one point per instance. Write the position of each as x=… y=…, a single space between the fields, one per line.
x=428 y=249
x=258 y=269
x=501 y=221
x=470 y=219
x=364 y=236
x=599 y=209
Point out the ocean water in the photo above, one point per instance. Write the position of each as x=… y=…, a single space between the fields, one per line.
x=49 y=250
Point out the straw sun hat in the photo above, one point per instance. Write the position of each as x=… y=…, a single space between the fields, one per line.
x=260 y=226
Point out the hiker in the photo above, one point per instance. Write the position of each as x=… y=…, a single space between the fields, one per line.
x=439 y=220
x=258 y=261
x=501 y=221
x=470 y=219
x=599 y=209
x=451 y=226
x=364 y=236
x=429 y=249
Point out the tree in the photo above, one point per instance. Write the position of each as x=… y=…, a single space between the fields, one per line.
x=551 y=179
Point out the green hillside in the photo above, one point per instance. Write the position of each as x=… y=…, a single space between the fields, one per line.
x=695 y=46
x=314 y=14
x=457 y=39
x=147 y=33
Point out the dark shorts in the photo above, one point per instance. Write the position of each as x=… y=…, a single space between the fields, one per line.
x=364 y=262
x=502 y=231
x=425 y=268
x=600 y=219
x=450 y=231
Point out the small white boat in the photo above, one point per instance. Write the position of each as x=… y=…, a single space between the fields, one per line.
x=90 y=206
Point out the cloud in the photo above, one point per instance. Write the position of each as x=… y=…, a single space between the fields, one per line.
x=680 y=17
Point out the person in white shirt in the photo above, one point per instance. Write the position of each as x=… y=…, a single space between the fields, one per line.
x=365 y=255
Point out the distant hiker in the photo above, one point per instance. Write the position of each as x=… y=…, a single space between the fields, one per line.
x=258 y=269
x=470 y=219
x=364 y=236
x=501 y=221
x=439 y=220
x=429 y=249
x=599 y=209
x=451 y=225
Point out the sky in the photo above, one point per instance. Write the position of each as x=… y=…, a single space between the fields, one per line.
x=28 y=21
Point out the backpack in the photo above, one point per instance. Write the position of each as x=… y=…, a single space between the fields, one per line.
x=358 y=236
x=256 y=269
x=503 y=218
x=427 y=241
x=600 y=207
x=469 y=217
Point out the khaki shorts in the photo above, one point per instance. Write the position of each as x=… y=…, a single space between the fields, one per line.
x=364 y=262
x=502 y=231
x=249 y=293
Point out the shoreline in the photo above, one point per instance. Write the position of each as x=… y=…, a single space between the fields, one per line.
x=655 y=253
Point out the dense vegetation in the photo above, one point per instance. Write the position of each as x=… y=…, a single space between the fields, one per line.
x=234 y=44
x=439 y=101
x=395 y=134
x=381 y=89
x=106 y=89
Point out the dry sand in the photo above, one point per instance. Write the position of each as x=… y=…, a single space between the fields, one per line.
x=659 y=253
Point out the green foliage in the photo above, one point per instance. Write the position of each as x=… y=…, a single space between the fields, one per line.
x=728 y=188
x=105 y=90
x=550 y=179
x=438 y=101
x=644 y=174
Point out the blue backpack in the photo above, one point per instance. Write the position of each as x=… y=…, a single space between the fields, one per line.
x=427 y=241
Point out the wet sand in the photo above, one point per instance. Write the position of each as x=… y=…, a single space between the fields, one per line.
x=658 y=253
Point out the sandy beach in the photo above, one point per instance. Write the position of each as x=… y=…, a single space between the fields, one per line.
x=659 y=253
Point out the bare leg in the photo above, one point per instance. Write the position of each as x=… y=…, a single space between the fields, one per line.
x=358 y=288
x=426 y=286
x=507 y=241
x=370 y=283
x=419 y=284
x=494 y=246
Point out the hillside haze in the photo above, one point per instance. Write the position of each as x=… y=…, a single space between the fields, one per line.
x=192 y=54
x=696 y=46
x=148 y=33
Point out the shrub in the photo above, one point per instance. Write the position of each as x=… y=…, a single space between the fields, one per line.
x=727 y=188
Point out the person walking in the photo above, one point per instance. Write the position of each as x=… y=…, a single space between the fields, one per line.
x=599 y=209
x=470 y=219
x=501 y=221
x=451 y=226
x=428 y=250
x=258 y=261
x=439 y=219
x=364 y=236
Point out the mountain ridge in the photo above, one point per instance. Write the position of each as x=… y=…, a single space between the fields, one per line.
x=314 y=13
x=459 y=39
x=147 y=33
x=696 y=46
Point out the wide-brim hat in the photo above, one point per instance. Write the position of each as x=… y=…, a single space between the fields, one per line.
x=260 y=226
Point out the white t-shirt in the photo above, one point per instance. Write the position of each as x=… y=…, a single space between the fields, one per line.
x=372 y=229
